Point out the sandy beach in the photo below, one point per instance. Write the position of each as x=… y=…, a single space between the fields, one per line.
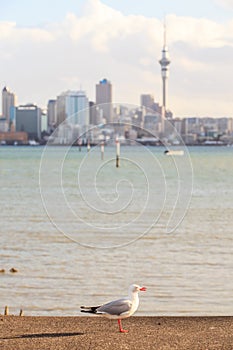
x=201 y=333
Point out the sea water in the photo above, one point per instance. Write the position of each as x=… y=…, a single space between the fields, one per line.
x=80 y=231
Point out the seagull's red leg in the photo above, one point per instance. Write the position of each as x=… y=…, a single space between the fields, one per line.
x=120 y=327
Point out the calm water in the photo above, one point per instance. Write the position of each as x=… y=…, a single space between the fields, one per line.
x=89 y=230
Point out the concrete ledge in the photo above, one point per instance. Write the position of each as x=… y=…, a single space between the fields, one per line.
x=97 y=333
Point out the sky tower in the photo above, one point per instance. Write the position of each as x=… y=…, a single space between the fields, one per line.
x=164 y=62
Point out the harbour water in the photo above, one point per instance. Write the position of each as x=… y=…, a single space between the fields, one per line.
x=79 y=231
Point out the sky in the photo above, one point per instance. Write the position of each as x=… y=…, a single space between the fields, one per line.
x=50 y=46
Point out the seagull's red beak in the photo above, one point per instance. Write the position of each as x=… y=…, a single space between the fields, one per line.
x=143 y=289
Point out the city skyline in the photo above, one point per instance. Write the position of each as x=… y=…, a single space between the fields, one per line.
x=76 y=45
x=72 y=113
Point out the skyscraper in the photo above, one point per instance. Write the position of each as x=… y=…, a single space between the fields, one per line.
x=147 y=101
x=73 y=105
x=104 y=98
x=61 y=108
x=164 y=62
x=77 y=107
x=52 y=113
x=8 y=104
x=28 y=119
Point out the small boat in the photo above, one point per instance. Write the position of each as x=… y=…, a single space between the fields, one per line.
x=33 y=143
x=174 y=152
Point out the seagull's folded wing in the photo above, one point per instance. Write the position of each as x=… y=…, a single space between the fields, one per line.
x=116 y=307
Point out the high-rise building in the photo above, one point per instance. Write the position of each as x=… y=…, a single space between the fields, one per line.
x=164 y=62
x=77 y=107
x=147 y=101
x=225 y=125
x=104 y=99
x=8 y=104
x=28 y=119
x=73 y=106
x=96 y=114
x=61 y=108
x=52 y=113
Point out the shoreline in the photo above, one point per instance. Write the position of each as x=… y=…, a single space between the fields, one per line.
x=83 y=333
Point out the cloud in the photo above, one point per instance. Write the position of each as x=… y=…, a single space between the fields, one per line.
x=9 y=32
x=199 y=32
x=39 y=63
x=228 y=4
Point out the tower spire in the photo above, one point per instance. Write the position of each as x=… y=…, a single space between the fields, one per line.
x=164 y=33
x=164 y=62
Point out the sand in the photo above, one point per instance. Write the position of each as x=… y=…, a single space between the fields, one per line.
x=201 y=333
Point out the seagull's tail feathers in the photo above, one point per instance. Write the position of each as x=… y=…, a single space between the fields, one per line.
x=89 y=309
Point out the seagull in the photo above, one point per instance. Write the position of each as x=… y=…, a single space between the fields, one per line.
x=118 y=309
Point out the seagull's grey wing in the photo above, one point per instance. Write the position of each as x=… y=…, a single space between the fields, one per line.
x=116 y=307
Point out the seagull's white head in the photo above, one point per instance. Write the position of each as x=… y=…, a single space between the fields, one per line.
x=135 y=288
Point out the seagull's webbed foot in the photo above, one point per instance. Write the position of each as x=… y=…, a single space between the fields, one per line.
x=120 y=327
x=123 y=330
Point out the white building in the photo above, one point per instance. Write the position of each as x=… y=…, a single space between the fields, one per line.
x=77 y=107
x=73 y=106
